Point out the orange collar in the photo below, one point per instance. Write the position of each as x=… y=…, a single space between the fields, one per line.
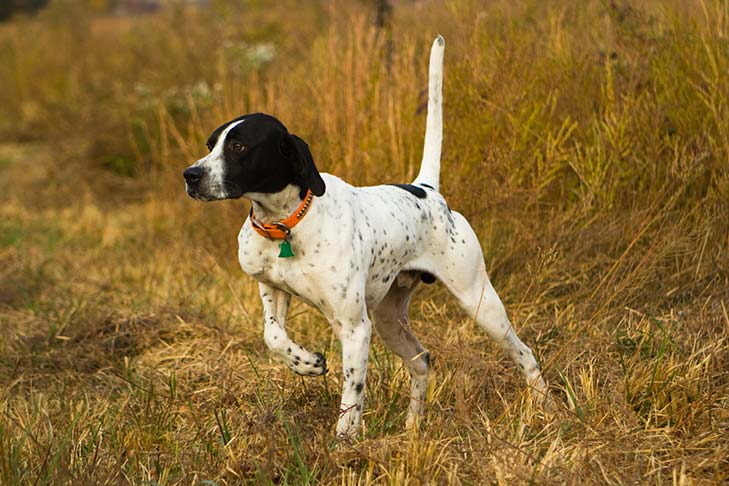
x=280 y=230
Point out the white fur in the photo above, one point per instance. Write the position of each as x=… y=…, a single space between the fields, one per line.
x=430 y=166
x=359 y=254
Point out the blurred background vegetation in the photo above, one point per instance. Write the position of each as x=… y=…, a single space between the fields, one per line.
x=587 y=142
x=14 y=7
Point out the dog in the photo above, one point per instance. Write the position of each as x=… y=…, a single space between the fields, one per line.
x=348 y=250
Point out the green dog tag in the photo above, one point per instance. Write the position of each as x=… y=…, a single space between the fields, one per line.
x=285 y=252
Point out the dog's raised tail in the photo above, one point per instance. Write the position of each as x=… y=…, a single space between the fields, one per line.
x=430 y=166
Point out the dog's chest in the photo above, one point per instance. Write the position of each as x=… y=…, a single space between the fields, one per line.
x=259 y=258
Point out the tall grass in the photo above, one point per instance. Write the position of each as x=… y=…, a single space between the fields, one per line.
x=587 y=142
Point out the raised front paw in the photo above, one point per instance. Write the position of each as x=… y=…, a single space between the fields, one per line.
x=315 y=365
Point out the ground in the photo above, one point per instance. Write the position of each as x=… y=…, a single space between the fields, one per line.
x=586 y=141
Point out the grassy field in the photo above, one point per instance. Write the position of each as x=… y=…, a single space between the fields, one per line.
x=587 y=142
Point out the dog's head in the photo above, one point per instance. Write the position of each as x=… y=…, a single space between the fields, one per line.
x=252 y=154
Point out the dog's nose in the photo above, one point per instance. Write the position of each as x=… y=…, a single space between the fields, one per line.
x=193 y=174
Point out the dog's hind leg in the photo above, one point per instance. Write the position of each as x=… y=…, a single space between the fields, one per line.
x=462 y=269
x=391 y=322
x=297 y=358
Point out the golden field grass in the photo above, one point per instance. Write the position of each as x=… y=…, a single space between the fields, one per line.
x=586 y=141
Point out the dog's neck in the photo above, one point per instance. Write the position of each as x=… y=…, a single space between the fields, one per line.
x=276 y=206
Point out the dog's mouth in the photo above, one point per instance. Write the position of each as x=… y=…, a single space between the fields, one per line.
x=206 y=193
x=197 y=195
x=231 y=190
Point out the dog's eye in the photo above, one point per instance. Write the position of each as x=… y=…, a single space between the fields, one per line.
x=209 y=146
x=235 y=146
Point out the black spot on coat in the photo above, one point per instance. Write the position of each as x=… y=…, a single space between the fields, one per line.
x=416 y=191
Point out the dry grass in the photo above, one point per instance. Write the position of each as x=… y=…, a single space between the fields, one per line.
x=587 y=142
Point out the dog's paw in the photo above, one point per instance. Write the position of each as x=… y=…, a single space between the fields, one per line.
x=314 y=366
x=548 y=403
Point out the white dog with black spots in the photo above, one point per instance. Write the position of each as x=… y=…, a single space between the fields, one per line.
x=355 y=253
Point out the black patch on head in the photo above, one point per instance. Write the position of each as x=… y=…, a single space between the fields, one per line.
x=305 y=168
x=213 y=139
x=427 y=185
x=426 y=277
x=416 y=191
x=272 y=158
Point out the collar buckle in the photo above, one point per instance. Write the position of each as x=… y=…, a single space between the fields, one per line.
x=284 y=229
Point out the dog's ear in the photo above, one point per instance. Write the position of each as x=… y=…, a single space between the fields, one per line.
x=298 y=151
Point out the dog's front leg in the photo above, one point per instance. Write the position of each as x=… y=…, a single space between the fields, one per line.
x=354 y=335
x=275 y=306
